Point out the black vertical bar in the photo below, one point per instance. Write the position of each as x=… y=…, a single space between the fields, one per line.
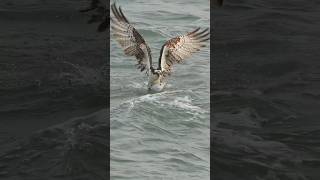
x=211 y=86
x=54 y=87
x=108 y=86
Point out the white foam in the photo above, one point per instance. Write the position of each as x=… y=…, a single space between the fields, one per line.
x=186 y=104
x=164 y=99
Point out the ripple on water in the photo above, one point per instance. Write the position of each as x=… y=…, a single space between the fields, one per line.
x=160 y=135
x=157 y=129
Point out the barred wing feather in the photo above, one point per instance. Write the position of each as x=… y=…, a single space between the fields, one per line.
x=130 y=40
x=177 y=49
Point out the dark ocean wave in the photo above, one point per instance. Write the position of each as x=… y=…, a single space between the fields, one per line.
x=265 y=82
x=52 y=70
x=69 y=150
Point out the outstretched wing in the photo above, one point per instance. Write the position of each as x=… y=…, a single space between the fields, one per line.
x=130 y=40
x=180 y=48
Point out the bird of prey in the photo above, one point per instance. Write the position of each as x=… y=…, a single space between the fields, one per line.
x=175 y=50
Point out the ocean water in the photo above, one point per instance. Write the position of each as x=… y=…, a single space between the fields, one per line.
x=53 y=92
x=265 y=121
x=162 y=135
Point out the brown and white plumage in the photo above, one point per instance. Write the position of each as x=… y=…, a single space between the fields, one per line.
x=180 y=48
x=175 y=50
x=130 y=39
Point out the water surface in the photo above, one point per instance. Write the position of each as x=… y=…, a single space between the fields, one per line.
x=266 y=90
x=161 y=135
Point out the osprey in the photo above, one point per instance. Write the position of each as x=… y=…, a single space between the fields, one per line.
x=175 y=50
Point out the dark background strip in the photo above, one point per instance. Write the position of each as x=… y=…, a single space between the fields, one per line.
x=265 y=90
x=53 y=116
